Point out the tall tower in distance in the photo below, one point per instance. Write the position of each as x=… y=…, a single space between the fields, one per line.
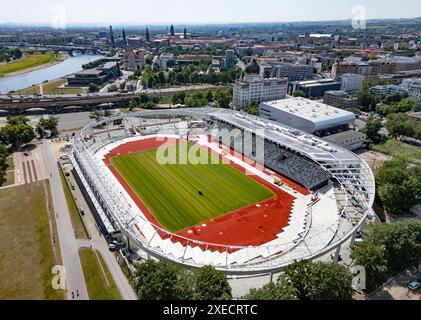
x=111 y=35
x=147 y=36
x=124 y=39
x=185 y=33
x=172 y=33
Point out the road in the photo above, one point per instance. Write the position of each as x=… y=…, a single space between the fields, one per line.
x=69 y=249
x=98 y=242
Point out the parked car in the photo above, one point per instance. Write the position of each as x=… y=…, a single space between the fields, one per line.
x=414 y=285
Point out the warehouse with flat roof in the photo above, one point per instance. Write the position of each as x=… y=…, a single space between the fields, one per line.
x=307 y=115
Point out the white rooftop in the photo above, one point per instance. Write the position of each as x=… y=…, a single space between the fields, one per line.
x=310 y=110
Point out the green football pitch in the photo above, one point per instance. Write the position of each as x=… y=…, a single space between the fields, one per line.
x=184 y=195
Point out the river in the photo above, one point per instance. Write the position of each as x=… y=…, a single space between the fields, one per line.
x=25 y=80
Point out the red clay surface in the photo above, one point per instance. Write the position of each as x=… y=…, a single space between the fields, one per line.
x=251 y=226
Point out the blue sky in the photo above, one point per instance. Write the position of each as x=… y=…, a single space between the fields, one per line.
x=199 y=11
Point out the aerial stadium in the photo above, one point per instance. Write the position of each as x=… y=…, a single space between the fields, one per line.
x=223 y=188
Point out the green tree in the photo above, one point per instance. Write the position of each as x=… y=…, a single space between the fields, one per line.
x=399 y=187
x=367 y=101
x=401 y=242
x=96 y=115
x=400 y=125
x=15 y=120
x=18 y=134
x=299 y=93
x=209 y=95
x=162 y=281
x=253 y=109
x=223 y=98
x=133 y=104
x=319 y=281
x=3 y=163
x=373 y=258
x=212 y=285
x=271 y=291
x=47 y=124
x=372 y=129
x=93 y=88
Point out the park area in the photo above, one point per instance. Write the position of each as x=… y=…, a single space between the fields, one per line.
x=28 y=62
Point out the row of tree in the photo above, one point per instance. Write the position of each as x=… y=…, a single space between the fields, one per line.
x=198 y=73
x=3 y=162
x=303 y=280
x=221 y=98
x=387 y=250
x=18 y=131
x=8 y=55
x=166 y=281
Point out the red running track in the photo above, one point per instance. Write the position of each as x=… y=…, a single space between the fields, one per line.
x=251 y=226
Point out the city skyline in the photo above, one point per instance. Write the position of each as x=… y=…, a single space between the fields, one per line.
x=188 y=11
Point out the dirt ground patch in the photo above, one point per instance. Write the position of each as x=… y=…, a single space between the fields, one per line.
x=26 y=251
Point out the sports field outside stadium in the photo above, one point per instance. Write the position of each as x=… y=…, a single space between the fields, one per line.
x=181 y=196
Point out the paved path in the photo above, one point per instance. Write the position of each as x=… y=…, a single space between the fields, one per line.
x=68 y=245
x=99 y=243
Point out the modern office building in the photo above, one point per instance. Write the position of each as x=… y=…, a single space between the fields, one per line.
x=230 y=59
x=415 y=92
x=252 y=88
x=98 y=76
x=314 y=88
x=340 y=99
x=352 y=82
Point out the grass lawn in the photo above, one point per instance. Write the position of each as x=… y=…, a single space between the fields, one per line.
x=98 y=278
x=395 y=148
x=171 y=192
x=9 y=162
x=9 y=179
x=74 y=213
x=51 y=87
x=28 y=62
x=26 y=252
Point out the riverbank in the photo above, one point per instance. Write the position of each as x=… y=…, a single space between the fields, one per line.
x=30 y=63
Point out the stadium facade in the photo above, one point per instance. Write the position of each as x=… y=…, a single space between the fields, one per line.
x=343 y=182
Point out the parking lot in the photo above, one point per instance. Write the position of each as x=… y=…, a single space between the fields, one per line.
x=397 y=289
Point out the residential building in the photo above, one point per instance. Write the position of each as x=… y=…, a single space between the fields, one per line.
x=340 y=99
x=387 y=89
x=163 y=60
x=133 y=60
x=252 y=88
